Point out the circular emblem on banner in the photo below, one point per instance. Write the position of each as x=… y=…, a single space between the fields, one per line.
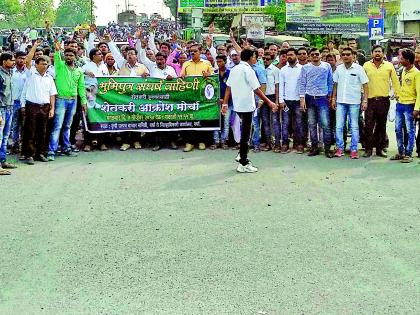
x=209 y=91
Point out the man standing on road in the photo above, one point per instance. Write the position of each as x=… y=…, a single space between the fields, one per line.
x=70 y=83
x=417 y=65
x=38 y=100
x=408 y=102
x=316 y=84
x=242 y=84
x=379 y=72
x=349 y=78
x=7 y=62
x=289 y=102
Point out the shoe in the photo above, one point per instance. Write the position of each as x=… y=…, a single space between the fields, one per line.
x=367 y=154
x=22 y=157
x=277 y=149
x=328 y=153
x=4 y=172
x=103 y=147
x=381 y=153
x=30 y=161
x=70 y=153
x=201 y=146
x=50 y=158
x=124 y=147
x=7 y=165
x=174 y=146
x=338 y=153
x=300 y=149
x=397 y=157
x=385 y=150
x=41 y=158
x=137 y=145
x=313 y=152
x=74 y=148
x=249 y=168
x=156 y=148
x=214 y=146
x=236 y=147
x=224 y=146
x=188 y=147
x=265 y=148
x=354 y=155
x=256 y=149
x=407 y=159
x=94 y=143
x=238 y=158
x=87 y=148
x=285 y=149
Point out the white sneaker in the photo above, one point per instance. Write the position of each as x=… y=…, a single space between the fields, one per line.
x=249 y=168
x=238 y=158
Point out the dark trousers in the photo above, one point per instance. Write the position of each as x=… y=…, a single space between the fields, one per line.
x=245 y=134
x=375 y=122
x=35 y=129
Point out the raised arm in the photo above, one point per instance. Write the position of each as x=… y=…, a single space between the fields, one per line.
x=31 y=54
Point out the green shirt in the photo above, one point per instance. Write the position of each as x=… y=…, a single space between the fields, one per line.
x=70 y=82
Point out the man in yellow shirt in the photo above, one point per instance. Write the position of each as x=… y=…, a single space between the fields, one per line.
x=407 y=107
x=196 y=67
x=379 y=72
x=417 y=65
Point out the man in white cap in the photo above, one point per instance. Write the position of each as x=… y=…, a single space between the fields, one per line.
x=234 y=59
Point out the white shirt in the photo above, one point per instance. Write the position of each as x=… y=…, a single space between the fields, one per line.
x=18 y=82
x=156 y=72
x=272 y=79
x=38 y=88
x=98 y=70
x=349 y=83
x=289 y=82
x=242 y=82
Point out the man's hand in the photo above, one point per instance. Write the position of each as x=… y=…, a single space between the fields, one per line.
x=416 y=114
x=84 y=108
x=139 y=33
x=364 y=105
x=38 y=42
x=333 y=104
x=260 y=103
x=302 y=105
x=224 y=109
x=145 y=75
x=211 y=28
x=282 y=105
x=92 y=28
x=1 y=120
x=209 y=41
x=206 y=74
x=57 y=45
x=107 y=38
x=169 y=77
x=273 y=106
x=154 y=24
x=51 y=113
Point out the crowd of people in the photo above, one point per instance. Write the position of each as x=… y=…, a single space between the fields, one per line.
x=273 y=98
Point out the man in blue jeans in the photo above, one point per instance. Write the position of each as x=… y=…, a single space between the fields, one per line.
x=316 y=84
x=262 y=79
x=70 y=83
x=407 y=107
x=349 y=78
x=7 y=62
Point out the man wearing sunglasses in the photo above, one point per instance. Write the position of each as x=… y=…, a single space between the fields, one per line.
x=316 y=84
x=349 y=78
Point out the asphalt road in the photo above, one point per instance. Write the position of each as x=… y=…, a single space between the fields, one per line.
x=139 y=232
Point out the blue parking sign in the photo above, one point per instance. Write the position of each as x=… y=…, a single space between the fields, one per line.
x=376 y=29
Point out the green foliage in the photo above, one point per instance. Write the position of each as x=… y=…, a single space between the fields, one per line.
x=73 y=12
x=278 y=14
x=10 y=11
x=36 y=12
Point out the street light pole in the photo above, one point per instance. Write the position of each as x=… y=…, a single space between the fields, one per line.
x=91 y=11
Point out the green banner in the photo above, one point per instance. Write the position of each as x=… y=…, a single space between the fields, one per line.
x=150 y=104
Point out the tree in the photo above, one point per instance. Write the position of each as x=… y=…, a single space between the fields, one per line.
x=278 y=13
x=9 y=13
x=73 y=12
x=36 y=12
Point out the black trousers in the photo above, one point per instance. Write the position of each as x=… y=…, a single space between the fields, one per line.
x=35 y=129
x=245 y=135
x=375 y=122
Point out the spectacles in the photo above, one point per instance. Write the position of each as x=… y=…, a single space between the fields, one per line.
x=302 y=53
x=315 y=54
x=268 y=59
x=348 y=54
